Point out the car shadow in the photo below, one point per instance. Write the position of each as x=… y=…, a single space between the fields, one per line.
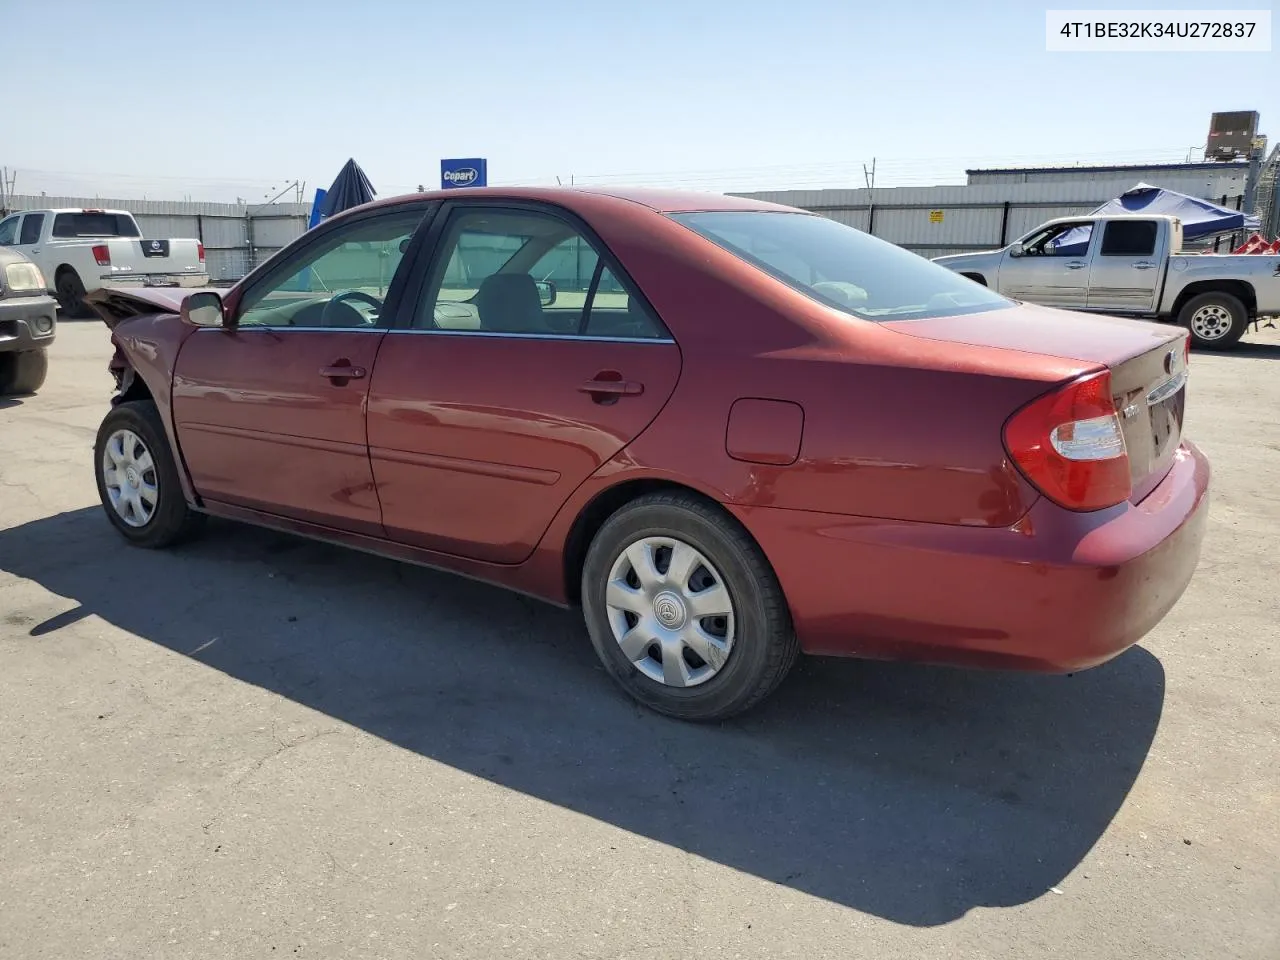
x=909 y=792
x=7 y=402
x=1252 y=348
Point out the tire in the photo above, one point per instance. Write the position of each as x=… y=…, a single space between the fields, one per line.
x=23 y=371
x=166 y=520
x=69 y=290
x=1216 y=320
x=755 y=640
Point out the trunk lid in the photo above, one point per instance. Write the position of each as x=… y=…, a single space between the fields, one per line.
x=1147 y=363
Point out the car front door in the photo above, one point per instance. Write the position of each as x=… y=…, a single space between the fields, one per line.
x=270 y=410
x=1052 y=268
x=1125 y=272
x=529 y=361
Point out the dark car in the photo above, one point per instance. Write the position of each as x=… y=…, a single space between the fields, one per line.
x=28 y=317
x=728 y=430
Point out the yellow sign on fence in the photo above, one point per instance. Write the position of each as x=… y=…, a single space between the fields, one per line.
x=935 y=216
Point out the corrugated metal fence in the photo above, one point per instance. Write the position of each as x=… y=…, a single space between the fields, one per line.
x=931 y=221
x=236 y=237
x=935 y=221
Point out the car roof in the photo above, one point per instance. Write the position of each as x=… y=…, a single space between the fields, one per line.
x=659 y=200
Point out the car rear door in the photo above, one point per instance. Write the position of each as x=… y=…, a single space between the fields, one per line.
x=270 y=413
x=1125 y=270
x=529 y=361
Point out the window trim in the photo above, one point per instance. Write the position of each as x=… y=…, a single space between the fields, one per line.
x=291 y=257
x=1155 y=238
x=432 y=252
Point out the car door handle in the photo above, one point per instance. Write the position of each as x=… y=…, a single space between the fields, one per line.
x=1143 y=265
x=1076 y=265
x=342 y=370
x=603 y=389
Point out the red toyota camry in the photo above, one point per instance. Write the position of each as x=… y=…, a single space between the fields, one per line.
x=728 y=430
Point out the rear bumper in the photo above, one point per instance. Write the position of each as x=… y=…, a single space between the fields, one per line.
x=27 y=323
x=128 y=281
x=1060 y=591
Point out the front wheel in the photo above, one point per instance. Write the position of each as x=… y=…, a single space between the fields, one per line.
x=684 y=610
x=1216 y=320
x=138 y=478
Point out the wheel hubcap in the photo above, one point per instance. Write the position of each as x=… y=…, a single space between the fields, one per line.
x=1211 y=322
x=670 y=611
x=129 y=476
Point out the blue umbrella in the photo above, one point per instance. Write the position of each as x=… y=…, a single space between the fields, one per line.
x=350 y=189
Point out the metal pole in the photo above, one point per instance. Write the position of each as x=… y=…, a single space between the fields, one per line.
x=1251 y=178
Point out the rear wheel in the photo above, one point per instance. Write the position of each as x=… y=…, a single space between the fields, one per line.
x=70 y=292
x=138 y=478
x=1216 y=320
x=684 y=610
x=23 y=371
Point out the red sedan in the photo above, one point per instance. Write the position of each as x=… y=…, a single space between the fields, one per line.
x=728 y=430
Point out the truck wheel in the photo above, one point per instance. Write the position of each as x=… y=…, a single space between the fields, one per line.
x=23 y=371
x=70 y=292
x=1216 y=320
x=138 y=478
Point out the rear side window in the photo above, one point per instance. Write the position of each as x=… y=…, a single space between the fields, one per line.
x=843 y=267
x=68 y=226
x=1129 y=238
x=32 y=224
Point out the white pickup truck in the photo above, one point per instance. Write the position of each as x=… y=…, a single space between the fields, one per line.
x=1131 y=265
x=79 y=250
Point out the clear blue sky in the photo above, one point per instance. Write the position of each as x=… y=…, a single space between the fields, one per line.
x=218 y=99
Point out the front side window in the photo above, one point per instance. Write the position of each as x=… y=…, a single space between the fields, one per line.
x=340 y=282
x=843 y=267
x=9 y=231
x=520 y=272
x=1059 y=240
x=32 y=224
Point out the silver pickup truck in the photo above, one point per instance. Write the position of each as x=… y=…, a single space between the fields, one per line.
x=1131 y=265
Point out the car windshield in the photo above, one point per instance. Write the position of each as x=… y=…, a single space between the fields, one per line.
x=843 y=267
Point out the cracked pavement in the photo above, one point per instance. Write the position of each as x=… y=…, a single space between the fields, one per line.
x=260 y=746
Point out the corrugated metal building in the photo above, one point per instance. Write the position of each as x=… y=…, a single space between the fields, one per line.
x=999 y=206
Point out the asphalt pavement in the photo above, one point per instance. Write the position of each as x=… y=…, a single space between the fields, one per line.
x=258 y=746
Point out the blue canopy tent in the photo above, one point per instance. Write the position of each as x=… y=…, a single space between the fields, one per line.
x=350 y=189
x=1200 y=218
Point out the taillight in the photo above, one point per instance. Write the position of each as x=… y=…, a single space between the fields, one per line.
x=1069 y=444
x=102 y=253
x=1186 y=350
x=200 y=250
